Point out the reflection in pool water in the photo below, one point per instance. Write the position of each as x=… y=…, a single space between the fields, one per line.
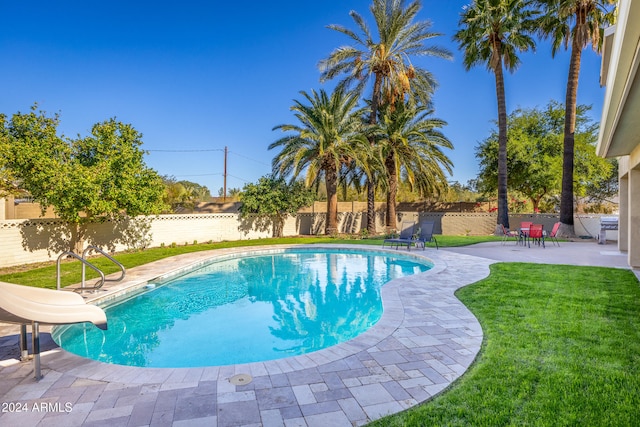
x=245 y=309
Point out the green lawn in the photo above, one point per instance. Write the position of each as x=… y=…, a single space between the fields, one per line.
x=70 y=272
x=561 y=348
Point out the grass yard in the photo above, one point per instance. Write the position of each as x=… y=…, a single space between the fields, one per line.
x=561 y=348
x=43 y=275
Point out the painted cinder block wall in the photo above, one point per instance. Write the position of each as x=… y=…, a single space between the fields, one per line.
x=37 y=240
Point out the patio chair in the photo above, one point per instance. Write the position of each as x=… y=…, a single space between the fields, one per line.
x=425 y=235
x=554 y=233
x=405 y=238
x=506 y=234
x=536 y=234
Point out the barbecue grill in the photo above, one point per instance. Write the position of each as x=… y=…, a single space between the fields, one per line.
x=607 y=223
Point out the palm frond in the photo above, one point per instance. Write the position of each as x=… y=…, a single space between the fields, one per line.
x=399 y=36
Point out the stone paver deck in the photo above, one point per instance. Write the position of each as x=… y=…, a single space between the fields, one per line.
x=424 y=341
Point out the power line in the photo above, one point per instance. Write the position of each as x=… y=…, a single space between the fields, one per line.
x=224 y=174
x=209 y=150
x=200 y=174
x=249 y=158
x=237 y=177
x=212 y=174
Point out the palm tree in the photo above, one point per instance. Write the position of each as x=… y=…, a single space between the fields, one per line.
x=492 y=33
x=411 y=145
x=386 y=60
x=578 y=22
x=326 y=140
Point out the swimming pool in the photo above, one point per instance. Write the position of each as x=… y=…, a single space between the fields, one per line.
x=254 y=307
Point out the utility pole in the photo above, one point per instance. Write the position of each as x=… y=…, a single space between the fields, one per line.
x=224 y=194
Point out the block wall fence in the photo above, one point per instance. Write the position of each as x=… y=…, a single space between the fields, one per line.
x=37 y=240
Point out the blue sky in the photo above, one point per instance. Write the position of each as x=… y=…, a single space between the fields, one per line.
x=202 y=75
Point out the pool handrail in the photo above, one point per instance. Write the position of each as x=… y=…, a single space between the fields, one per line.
x=84 y=262
x=97 y=249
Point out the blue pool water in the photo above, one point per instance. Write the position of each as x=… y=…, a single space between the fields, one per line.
x=244 y=309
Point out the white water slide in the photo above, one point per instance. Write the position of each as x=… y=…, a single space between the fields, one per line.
x=24 y=304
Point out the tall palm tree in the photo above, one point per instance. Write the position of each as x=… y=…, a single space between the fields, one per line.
x=492 y=33
x=578 y=22
x=411 y=144
x=386 y=60
x=326 y=139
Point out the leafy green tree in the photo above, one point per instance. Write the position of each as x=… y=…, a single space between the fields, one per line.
x=458 y=192
x=176 y=195
x=271 y=199
x=386 y=61
x=111 y=161
x=197 y=192
x=8 y=182
x=602 y=188
x=31 y=150
x=535 y=154
x=232 y=193
x=326 y=140
x=579 y=22
x=99 y=177
x=532 y=154
x=183 y=194
x=411 y=143
x=492 y=33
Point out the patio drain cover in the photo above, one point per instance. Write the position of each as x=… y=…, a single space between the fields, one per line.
x=240 y=379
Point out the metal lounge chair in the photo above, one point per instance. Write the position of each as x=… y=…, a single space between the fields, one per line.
x=405 y=238
x=425 y=235
x=509 y=233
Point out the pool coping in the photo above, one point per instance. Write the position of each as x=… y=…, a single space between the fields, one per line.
x=425 y=340
x=391 y=317
x=392 y=314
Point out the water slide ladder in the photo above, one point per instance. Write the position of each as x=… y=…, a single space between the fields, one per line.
x=35 y=333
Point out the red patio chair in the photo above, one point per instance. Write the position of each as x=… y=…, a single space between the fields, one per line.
x=536 y=234
x=554 y=232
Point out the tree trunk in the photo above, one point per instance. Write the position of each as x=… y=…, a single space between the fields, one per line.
x=375 y=100
x=392 y=176
x=277 y=225
x=566 y=198
x=371 y=188
x=331 y=178
x=503 y=205
x=76 y=243
x=535 y=201
x=371 y=207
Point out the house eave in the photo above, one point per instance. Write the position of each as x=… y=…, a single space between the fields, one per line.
x=621 y=110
